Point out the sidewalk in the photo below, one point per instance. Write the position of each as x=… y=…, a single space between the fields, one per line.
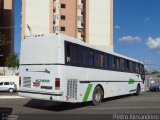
x=10 y=97
x=7 y=95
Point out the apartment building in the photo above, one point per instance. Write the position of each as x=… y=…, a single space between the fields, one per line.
x=6 y=28
x=87 y=20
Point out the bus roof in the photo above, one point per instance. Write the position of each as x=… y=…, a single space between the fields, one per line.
x=64 y=37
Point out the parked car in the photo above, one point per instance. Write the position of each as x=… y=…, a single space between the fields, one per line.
x=8 y=86
x=155 y=88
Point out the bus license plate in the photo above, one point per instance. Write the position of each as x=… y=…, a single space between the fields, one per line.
x=36 y=84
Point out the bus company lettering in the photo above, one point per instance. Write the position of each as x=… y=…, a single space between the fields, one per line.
x=43 y=80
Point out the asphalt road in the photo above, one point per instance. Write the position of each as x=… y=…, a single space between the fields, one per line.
x=145 y=103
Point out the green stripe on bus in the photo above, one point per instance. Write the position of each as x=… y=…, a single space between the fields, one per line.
x=134 y=90
x=85 y=98
x=131 y=81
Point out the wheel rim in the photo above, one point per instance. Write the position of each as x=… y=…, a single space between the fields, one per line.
x=10 y=90
x=98 y=96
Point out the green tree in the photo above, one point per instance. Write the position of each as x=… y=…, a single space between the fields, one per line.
x=3 y=41
x=154 y=72
x=12 y=62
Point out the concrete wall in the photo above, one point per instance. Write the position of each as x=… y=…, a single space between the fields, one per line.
x=37 y=16
x=101 y=23
x=4 y=71
x=14 y=79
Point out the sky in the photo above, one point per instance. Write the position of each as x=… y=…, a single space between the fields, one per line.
x=17 y=26
x=136 y=29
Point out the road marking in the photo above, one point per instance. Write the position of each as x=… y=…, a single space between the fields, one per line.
x=9 y=97
x=151 y=107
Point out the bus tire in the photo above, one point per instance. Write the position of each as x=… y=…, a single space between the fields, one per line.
x=97 y=96
x=137 y=90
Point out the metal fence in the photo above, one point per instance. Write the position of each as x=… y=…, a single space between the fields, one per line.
x=151 y=81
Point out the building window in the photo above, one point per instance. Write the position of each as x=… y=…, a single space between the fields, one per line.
x=63 y=17
x=63 y=29
x=56 y=28
x=63 y=5
x=56 y=16
x=80 y=29
x=54 y=10
x=80 y=7
x=80 y=18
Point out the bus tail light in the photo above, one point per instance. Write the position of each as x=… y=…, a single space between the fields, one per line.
x=57 y=83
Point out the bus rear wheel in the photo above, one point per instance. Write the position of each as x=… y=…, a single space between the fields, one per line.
x=137 y=90
x=97 y=96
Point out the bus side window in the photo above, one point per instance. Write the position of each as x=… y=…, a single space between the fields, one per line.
x=82 y=53
x=127 y=65
x=90 y=57
x=101 y=57
x=122 y=65
x=130 y=66
x=68 y=53
x=96 y=60
x=117 y=63
x=106 y=61
x=134 y=67
x=137 y=67
x=111 y=62
x=73 y=54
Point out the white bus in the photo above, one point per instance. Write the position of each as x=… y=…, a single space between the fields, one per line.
x=62 y=68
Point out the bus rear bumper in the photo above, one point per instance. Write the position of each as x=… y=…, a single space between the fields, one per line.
x=42 y=96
